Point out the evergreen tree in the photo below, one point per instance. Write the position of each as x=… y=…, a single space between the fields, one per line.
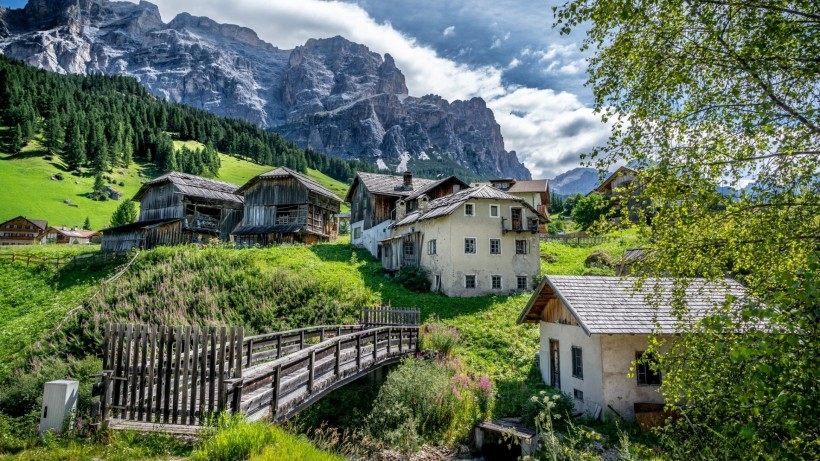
x=87 y=224
x=74 y=150
x=126 y=213
x=17 y=140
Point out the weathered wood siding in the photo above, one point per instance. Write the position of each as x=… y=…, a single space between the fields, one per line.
x=122 y=241
x=161 y=202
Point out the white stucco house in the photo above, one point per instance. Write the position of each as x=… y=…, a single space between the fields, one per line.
x=473 y=242
x=593 y=328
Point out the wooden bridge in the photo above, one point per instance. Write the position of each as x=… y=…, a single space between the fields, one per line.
x=175 y=379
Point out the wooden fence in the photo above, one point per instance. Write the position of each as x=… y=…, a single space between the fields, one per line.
x=385 y=316
x=87 y=259
x=169 y=375
x=577 y=240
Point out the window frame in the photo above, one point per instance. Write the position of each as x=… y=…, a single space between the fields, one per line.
x=432 y=247
x=578 y=394
x=467 y=278
x=408 y=246
x=493 y=279
x=577 y=357
x=518 y=280
x=499 y=246
x=471 y=208
x=497 y=209
x=526 y=246
x=643 y=370
x=475 y=246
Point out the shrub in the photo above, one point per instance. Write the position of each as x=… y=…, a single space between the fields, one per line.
x=439 y=338
x=415 y=279
x=600 y=259
x=560 y=406
x=24 y=392
x=549 y=258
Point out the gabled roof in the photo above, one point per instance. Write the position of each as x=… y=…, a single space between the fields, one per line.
x=444 y=206
x=385 y=184
x=418 y=192
x=140 y=225
x=535 y=185
x=80 y=233
x=284 y=172
x=195 y=186
x=610 y=305
x=610 y=178
x=39 y=223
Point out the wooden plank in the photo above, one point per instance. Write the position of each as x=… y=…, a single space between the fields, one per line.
x=203 y=375
x=115 y=399
x=170 y=343
x=211 y=369
x=186 y=356
x=240 y=339
x=160 y=375
x=178 y=346
x=195 y=333
x=221 y=377
x=135 y=372
x=126 y=372
x=142 y=370
x=152 y=341
x=311 y=371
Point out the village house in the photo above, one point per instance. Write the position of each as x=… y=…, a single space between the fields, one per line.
x=621 y=178
x=374 y=199
x=21 y=230
x=64 y=235
x=178 y=208
x=536 y=192
x=473 y=242
x=593 y=328
x=283 y=205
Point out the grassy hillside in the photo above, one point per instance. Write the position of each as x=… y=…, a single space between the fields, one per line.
x=29 y=190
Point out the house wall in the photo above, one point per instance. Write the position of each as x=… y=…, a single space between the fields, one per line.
x=592 y=384
x=162 y=201
x=451 y=264
x=621 y=391
x=18 y=231
x=370 y=237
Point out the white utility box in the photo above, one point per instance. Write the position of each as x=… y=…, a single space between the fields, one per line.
x=59 y=403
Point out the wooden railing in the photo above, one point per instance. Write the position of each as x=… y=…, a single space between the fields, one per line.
x=271 y=346
x=577 y=240
x=87 y=259
x=385 y=316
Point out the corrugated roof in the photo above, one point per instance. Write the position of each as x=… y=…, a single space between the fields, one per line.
x=195 y=186
x=610 y=305
x=386 y=184
x=443 y=206
x=535 y=185
x=272 y=229
x=284 y=172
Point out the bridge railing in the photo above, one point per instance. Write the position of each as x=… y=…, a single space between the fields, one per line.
x=271 y=346
x=386 y=316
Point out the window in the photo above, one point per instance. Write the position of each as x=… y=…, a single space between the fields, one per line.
x=469 y=281
x=496 y=282
x=577 y=363
x=494 y=211
x=521 y=283
x=469 y=245
x=521 y=247
x=357 y=232
x=469 y=209
x=409 y=249
x=579 y=395
x=495 y=246
x=643 y=369
x=431 y=247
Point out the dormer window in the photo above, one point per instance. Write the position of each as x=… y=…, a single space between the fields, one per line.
x=469 y=209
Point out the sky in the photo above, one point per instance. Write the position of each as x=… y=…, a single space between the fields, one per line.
x=504 y=51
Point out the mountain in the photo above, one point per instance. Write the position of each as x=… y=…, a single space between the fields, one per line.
x=329 y=95
x=575 y=181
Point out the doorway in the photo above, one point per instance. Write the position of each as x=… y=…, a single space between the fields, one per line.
x=555 y=365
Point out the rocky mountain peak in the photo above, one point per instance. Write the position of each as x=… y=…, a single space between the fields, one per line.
x=209 y=26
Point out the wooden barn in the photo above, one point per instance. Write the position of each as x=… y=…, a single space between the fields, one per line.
x=178 y=208
x=285 y=206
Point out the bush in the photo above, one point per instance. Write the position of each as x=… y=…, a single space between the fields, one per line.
x=439 y=338
x=415 y=279
x=561 y=406
x=549 y=258
x=600 y=259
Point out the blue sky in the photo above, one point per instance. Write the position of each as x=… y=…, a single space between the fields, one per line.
x=504 y=51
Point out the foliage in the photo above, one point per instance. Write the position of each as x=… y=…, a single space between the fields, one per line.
x=236 y=439
x=569 y=259
x=428 y=401
x=589 y=210
x=547 y=403
x=577 y=443
x=414 y=278
x=439 y=338
x=600 y=259
x=703 y=94
x=126 y=213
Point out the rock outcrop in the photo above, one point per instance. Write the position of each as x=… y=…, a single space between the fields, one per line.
x=331 y=95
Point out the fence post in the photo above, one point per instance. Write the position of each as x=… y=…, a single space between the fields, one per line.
x=358 y=352
x=375 y=344
x=338 y=358
x=389 y=338
x=279 y=346
x=311 y=373
x=277 y=375
x=250 y=353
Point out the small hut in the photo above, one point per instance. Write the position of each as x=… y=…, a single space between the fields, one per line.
x=178 y=208
x=284 y=206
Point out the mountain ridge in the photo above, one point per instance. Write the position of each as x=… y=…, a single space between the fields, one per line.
x=329 y=95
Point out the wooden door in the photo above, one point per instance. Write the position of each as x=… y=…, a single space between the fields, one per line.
x=555 y=365
x=515 y=217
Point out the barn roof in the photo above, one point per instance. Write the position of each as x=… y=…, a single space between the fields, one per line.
x=535 y=185
x=139 y=225
x=386 y=184
x=610 y=305
x=195 y=186
x=284 y=172
x=444 y=206
x=424 y=188
x=269 y=229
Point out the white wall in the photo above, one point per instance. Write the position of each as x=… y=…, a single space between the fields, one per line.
x=621 y=391
x=371 y=237
x=592 y=383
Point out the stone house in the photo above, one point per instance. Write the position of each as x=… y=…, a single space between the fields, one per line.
x=593 y=328
x=473 y=242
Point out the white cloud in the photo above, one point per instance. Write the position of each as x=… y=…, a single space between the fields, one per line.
x=449 y=32
x=535 y=132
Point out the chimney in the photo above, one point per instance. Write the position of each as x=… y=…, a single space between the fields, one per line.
x=424 y=204
x=408 y=180
x=401 y=209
